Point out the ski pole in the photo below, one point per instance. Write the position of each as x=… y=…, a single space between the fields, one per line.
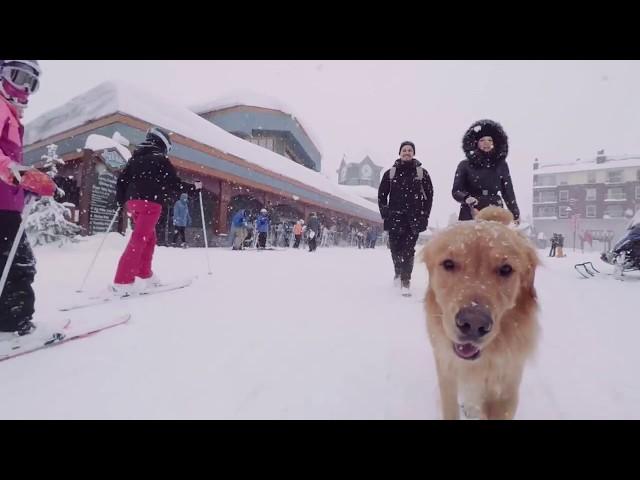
x=14 y=247
x=115 y=215
x=204 y=232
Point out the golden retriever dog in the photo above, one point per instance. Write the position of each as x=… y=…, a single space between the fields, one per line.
x=481 y=313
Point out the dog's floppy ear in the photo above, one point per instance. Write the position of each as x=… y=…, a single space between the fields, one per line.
x=495 y=214
x=428 y=252
x=529 y=272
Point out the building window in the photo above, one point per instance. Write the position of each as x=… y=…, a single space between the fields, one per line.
x=563 y=195
x=544 y=181
x=546 y=211
x=614 y=176
x=563 y=179
x=289 y=154
x=591 y=177
x=614 y=211
x=615 y=194
x=591 y=211
x=266 y=142
x=563 y=212
x=544 y=197
x=591 y=194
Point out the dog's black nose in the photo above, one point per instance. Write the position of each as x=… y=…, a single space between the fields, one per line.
x=474 y=322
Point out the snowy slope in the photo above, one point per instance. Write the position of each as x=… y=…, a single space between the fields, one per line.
x=288 y=334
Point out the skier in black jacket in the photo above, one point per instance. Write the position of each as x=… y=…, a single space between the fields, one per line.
x=405 y=196
x=147 y=182
x=484 y=174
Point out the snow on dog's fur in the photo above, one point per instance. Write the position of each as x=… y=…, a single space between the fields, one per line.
x=481 y=313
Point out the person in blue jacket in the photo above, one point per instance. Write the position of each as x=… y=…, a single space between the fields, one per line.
x=262 y=224
x=181 y=219
x=239 y=229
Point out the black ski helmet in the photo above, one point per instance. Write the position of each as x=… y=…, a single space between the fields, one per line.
x=160 y=138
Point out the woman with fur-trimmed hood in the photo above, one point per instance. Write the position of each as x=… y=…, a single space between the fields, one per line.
x=483 y=179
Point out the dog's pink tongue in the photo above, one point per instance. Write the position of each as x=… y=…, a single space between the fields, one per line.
x=466 y=350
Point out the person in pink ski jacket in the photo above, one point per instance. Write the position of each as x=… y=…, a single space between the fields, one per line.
x=19 y=79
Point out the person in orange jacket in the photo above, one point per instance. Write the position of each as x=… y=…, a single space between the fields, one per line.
x=297 y=232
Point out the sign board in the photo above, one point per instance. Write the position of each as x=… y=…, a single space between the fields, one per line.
x=103 y=192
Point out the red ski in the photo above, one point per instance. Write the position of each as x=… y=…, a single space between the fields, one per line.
x=70 y=330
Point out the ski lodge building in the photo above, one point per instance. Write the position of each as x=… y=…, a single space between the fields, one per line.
x=247 y=156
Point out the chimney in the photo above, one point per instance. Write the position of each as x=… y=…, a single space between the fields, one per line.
x=601 y=157
x=535 y=164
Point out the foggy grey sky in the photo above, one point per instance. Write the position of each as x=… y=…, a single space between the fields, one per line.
x=556 y=111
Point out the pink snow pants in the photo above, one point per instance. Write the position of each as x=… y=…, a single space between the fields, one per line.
x=137 y=257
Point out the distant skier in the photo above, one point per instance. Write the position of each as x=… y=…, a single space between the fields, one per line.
x=297 y=233
x=554 y=245
x=181 y=219
x=313 y=226
x=239 y=226
x=262 y=225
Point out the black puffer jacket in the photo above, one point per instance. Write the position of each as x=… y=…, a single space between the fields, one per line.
x=484 y=176
x=149 y=175
x=313 y=224
x=401 y=201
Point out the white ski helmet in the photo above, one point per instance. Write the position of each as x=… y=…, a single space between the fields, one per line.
x=18 y=80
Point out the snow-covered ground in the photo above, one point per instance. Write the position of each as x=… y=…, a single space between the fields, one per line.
x=289 y=334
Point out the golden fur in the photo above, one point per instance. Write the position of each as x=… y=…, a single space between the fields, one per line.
x=478 y=252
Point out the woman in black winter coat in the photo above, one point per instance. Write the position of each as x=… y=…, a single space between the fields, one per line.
x=483 y=179
x=405 y=196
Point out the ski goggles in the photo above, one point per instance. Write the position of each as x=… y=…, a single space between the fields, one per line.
x=20 y=78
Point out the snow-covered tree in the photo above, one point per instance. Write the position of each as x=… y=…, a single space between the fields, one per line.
x=48 y=219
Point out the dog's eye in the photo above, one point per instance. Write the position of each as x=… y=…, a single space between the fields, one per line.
x=505 y=270
x=448 y=265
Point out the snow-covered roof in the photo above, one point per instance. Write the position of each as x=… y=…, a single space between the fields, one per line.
x=100 y=142
x=251 y=99
x=120 y=97
x=364 y=191
x=619 y=161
